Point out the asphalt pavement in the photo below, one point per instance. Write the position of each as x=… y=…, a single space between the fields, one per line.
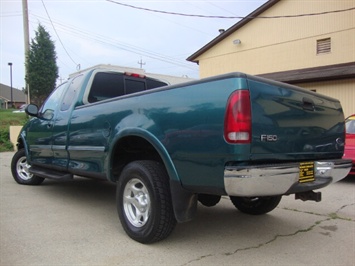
x=76 y=223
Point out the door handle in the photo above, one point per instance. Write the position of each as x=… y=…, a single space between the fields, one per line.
x=308 y=104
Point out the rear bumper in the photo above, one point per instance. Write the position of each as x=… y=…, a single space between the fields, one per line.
x=281 y=179
x=352 y=171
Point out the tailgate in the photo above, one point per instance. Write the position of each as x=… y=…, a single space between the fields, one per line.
x=290 y=123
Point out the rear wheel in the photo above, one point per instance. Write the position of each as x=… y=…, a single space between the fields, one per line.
x=20 y=170
x=144 y=202
x=256 y=205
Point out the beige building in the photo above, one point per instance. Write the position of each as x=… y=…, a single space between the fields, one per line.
x=308 y=43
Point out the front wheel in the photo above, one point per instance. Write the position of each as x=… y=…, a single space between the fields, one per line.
x=144 y=202
x=256 y=205
x=20 y=170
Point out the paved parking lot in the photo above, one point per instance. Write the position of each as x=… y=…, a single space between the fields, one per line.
x=76 y=223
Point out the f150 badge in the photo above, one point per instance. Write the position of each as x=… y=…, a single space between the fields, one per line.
x=268 y=138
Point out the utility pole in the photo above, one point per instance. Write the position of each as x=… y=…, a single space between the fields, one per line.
x=141 y=63
x=26 y=36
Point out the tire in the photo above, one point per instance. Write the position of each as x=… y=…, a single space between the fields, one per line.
x=208 y=200
x=256 y=205
x=20 y=170
x=144 y=202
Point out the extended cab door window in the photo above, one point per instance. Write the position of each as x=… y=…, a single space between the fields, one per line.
x=70 y=95
x=52 y=102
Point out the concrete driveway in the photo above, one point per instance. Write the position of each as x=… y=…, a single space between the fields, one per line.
x=76 y=223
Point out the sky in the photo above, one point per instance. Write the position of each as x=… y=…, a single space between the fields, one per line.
x=92 y=32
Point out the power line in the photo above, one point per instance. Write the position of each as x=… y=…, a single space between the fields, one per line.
x=226 y=10
x=119 y=44
x=58 y=34
x=10 y=14
x=231 y=17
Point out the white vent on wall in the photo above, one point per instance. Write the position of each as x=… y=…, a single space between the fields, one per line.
x=323 y=46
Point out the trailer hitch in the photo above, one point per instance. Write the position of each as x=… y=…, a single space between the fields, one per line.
x=309 y=195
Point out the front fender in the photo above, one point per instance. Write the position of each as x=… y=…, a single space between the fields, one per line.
x=22 y=143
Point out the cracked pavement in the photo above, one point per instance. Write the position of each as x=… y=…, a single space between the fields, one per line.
x=76 y=223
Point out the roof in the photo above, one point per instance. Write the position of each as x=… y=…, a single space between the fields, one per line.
x=322 y=73
x=17 y=95
x=232 y=29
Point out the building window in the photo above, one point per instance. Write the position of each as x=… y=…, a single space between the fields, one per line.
x=323 y=46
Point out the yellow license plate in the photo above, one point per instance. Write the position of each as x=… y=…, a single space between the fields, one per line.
x=306 y=172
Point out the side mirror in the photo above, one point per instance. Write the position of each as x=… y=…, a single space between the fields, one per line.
x=32 y=110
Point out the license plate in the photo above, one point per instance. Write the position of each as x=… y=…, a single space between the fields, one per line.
x=306 y=172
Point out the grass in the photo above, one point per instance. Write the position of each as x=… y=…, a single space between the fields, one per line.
x=7 y=119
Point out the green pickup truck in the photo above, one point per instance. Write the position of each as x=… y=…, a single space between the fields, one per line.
x=169 y=146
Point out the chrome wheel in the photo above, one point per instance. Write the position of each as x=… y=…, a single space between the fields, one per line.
x=144 y=201
x=22 y=168
x=136 y=202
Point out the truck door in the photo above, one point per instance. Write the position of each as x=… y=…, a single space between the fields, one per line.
x=39 y=134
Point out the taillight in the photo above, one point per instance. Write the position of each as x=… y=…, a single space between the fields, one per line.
x=237 y=122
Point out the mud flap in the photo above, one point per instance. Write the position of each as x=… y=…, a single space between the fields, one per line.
x=184 y=202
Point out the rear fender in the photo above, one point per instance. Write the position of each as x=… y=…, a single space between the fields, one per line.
x=129 y=132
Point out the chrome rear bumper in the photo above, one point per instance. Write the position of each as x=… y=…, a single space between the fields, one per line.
x=281 y=179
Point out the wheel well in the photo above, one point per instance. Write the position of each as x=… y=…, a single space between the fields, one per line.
x=20 y=144
x=129 y=149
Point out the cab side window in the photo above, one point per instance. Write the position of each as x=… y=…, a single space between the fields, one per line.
x=106 y=86
x=153 y=83
x=134 y=85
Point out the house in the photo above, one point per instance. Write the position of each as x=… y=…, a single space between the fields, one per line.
x=19 y=97
x=307 y=43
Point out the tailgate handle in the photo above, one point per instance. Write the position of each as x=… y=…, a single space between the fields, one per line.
x=308 y=104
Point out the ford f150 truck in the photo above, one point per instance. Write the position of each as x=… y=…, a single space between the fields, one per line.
x=168 y=147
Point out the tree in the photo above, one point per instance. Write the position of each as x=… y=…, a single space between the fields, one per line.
x=42 y=69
